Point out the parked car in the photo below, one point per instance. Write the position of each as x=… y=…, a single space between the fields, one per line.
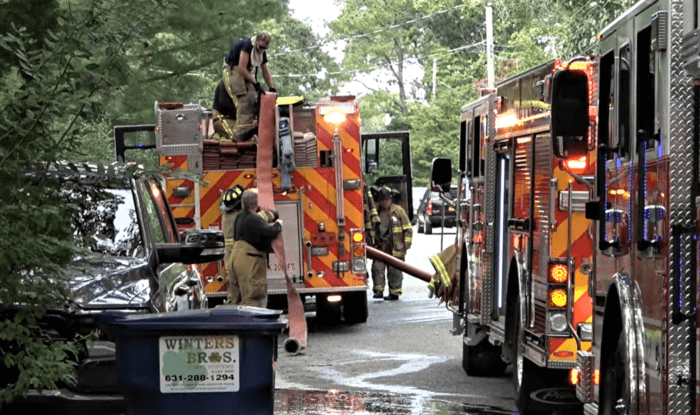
x=418 y=194
x=133 y=260
x=429 y=214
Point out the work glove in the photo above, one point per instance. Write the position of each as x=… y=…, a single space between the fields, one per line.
x=434 y=287
x=437 y=288
x=258 y=88
x=269 y=216
x=273 y=90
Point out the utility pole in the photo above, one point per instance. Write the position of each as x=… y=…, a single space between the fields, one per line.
x=434 y=76
x=489 y=45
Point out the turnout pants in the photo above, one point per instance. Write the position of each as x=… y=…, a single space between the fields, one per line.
x=394 y=276
x=248 y=279
x=227 y=218
x=246 y=100
x=223 y=127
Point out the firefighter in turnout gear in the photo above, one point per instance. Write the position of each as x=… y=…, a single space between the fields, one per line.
x=241 y=82
x=230 y=206
x=394 y=235
x=253 y=233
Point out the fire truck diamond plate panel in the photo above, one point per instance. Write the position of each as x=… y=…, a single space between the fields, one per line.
x=179 y=134
x=681 y=215
x=489 y=214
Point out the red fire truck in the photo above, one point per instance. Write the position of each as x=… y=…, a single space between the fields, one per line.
x=523 y=246
x=324 y=239
x=645 y=267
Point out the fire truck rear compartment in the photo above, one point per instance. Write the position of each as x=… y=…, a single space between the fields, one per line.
x=328 y=308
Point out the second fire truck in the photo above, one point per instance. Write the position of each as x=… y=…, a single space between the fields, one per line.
x=523 y=247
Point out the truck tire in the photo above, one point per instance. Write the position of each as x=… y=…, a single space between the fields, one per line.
x=420 y=225
x=355 y=308
x=528 y=378
x=613 y=390
x=482 y=359
x=428 y=227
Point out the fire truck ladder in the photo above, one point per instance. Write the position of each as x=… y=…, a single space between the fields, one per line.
x=339 y=191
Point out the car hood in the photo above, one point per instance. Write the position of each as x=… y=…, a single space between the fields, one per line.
x=104 y=281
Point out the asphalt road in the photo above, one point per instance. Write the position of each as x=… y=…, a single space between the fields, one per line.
x=403 y=360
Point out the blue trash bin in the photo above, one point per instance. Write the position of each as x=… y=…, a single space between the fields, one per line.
x=216 y=361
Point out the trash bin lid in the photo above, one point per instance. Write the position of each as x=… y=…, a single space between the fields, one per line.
x=222 y=318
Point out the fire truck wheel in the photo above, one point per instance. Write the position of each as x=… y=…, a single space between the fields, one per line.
x=482 y=359
x=527 y=376
x=532 y=379
x=355 y=309
x=612 y=381
x=428 y=227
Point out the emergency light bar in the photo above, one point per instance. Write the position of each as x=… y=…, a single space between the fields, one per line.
x=341 y=108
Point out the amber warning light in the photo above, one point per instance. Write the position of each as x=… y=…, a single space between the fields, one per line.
x=558 y=273
x=358 y=237
x=557 y=298
x=574 y=376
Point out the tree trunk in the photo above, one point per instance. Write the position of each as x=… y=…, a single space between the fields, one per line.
x=399 y=76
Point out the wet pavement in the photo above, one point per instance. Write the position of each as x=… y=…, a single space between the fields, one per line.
x=403 y=360
x=292 y=402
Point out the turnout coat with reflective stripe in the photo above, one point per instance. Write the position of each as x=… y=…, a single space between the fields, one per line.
x=401 y=231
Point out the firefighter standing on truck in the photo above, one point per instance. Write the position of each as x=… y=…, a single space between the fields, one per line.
x=242 y=85
x=394 y=236
x=252 y=236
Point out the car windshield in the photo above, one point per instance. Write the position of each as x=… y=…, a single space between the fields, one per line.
x=452 y=195
x=105 y=220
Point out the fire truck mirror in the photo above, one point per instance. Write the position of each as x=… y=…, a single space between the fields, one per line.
x=196 y=246
x=616 y=239
x=570 y=114
x=441 y=174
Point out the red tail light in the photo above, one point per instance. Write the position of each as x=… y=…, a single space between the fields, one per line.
x=429 y=208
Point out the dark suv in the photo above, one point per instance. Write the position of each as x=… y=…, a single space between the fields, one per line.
x=133 y=260
x=429 y=214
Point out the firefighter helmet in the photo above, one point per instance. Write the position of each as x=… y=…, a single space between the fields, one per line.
x=231 y=199
x=381 y=193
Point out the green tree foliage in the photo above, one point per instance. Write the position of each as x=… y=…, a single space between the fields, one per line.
x=383 y=34
x=56 y=79
x=584 y=19
x=298 y=64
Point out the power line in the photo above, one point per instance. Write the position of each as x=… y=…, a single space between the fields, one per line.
x=447 y=52
x=369 y=33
